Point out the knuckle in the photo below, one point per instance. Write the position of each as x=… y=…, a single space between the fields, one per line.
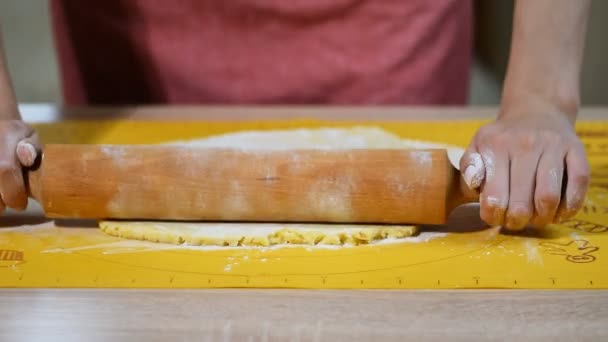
x=498 y=140
x=486 y=131
x=551 y=139
x=11 y=130
x=527 y=141
x=15 y=126
x=577 y=144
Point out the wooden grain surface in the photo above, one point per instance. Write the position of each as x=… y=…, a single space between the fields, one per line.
x=299 y=315
x=284 y=315
x=353 y=186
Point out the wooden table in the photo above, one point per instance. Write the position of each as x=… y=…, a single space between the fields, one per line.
x=285 y=315
x=297 y=315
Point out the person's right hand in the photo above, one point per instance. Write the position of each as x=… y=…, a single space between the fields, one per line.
x=19 y=147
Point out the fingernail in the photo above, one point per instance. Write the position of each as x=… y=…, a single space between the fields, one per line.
x=469 y=173
x=27 y=153
x=473 y=176
x=499 y=215
x=515 y=223
x=567 y=214
x=498 y=209
x=575 y=202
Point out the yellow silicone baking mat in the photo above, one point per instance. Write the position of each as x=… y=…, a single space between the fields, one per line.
x=62 y=254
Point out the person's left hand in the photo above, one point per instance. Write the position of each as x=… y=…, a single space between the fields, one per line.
x=536 y=170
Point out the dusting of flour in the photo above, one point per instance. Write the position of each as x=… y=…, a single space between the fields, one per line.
x=321 y=138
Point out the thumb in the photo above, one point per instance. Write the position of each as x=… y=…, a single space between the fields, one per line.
x=472 y=168
x=28 y=150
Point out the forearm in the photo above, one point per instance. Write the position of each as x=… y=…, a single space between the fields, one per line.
x=8 y=101
x=546 y=56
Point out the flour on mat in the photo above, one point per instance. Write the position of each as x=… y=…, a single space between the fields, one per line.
x=532 y=252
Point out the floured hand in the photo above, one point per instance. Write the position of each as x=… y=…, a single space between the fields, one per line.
x=530 y=168
x=19 y=148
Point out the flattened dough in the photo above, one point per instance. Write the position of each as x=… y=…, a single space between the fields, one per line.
x=253 y=234
x=264 y=234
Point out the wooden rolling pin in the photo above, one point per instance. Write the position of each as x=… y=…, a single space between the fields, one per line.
x=201 y=184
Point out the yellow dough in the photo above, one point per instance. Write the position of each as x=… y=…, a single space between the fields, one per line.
x=253 y=234
x=263 y=234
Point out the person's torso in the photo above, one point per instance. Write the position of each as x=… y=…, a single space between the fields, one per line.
x=264 y=51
